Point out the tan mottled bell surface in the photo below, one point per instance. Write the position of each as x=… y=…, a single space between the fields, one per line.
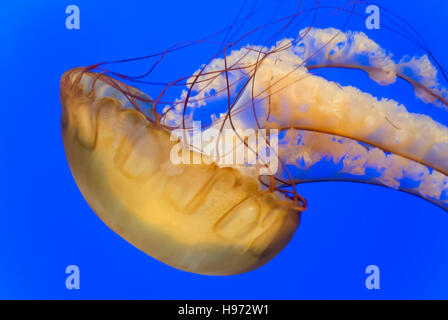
x=198 y=218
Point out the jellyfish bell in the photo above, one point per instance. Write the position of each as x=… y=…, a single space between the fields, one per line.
x=213 y=219
x=198 y=218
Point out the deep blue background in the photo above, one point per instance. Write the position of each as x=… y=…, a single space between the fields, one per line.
x=45 y=223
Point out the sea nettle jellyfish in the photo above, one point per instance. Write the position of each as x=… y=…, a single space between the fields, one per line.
x=138 y=163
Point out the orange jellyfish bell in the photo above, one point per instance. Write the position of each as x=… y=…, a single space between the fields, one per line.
x=198 y=218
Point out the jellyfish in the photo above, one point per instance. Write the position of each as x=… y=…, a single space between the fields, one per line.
x=208 y=216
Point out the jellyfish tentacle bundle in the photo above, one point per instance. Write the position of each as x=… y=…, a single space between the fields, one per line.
x=226 y=219
x=325 y=120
